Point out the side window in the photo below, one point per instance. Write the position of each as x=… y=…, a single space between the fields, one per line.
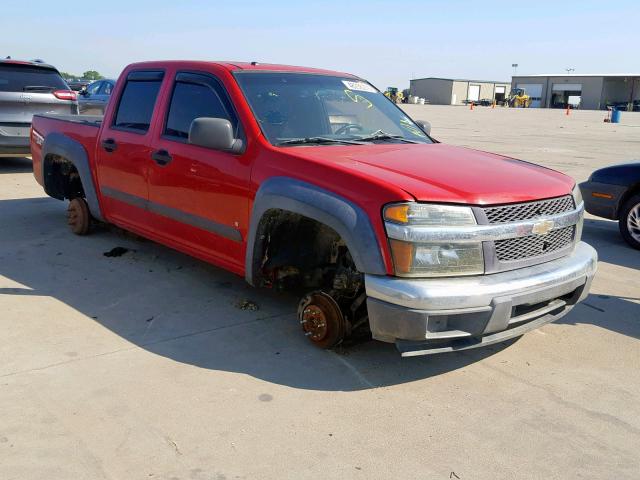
x=138 y=98
x=196 y=96
x=107 y=87
x=94 y=87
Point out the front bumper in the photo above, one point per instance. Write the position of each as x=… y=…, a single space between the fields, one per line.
x=435 y=315
x=602 y=199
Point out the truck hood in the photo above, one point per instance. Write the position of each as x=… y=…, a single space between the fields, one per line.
x=444 y=173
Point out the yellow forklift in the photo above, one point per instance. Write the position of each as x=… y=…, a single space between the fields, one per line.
x=395 y=95
x=518 y=98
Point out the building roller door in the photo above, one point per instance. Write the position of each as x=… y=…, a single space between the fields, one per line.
x=534 y=90
x=474 y=93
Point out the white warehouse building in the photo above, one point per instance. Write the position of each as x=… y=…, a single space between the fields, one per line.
x=456 y=91
x=587 y=91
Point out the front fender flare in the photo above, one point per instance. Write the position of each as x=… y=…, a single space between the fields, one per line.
x=63 y=146
x=347 y=219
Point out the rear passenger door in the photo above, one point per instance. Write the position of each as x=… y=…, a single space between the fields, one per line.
x=124 y=151
x=200 y=194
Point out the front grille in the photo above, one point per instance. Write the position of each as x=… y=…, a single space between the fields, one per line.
x=534 y=245
x=525 y=211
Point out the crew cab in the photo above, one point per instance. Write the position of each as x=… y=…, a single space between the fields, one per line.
x=313 y=181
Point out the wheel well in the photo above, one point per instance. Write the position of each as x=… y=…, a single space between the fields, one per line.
x=297 y=252
x=61 y=178
x=631 y=191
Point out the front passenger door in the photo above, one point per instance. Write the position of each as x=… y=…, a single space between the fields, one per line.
x=88 y=103
x=201 y=195
x=103 y=95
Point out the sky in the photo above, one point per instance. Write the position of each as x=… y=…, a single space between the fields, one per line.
x=387 y=43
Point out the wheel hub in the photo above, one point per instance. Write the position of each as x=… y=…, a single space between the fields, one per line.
x=78 y=216
x=321 y=319
x=314 y=322
x=74 y=215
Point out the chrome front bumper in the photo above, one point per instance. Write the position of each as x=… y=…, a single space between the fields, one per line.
x=436 y=315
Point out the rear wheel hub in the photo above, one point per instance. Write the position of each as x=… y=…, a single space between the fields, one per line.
x=78 y=216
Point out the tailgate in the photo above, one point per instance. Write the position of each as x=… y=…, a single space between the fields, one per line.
x=20 y=107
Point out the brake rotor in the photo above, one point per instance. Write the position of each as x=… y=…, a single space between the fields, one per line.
x=321 y=319
x=78 y=216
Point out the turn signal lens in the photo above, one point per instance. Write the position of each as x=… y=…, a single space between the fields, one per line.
x=602 y=195
x=397 y=213
x=402 y=253
x=429 y=214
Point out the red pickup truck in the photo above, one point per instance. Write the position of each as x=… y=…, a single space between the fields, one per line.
x=312 y=180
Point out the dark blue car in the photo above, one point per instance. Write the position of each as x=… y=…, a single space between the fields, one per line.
x=614 y=193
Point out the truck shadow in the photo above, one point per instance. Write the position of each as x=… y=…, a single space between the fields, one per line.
x=191 y=312
x=183 y=309
x=15 y=165
x=618 y=314
x=605 y=237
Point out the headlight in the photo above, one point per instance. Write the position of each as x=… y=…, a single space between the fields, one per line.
x=577 y=195
x=433 y=259
x=433 y=215
x=436 y=260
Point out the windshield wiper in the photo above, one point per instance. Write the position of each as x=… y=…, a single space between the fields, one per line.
x=381 y=135
x=316 y=141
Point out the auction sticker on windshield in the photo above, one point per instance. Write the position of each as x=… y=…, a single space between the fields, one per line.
x=358 y=86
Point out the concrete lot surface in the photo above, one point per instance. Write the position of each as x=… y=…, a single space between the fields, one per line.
x=143 y=367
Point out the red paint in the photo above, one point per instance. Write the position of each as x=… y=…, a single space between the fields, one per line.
x=221 y=187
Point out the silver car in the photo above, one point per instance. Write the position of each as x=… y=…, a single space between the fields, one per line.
x=28 y=88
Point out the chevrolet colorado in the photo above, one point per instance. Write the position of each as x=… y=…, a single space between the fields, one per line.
x=312 y=180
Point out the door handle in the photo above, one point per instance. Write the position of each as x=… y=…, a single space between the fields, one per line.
x=161 y=157
x=109 y=144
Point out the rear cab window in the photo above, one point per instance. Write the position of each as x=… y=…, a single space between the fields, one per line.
x=29 y=78
x=137 y=101
x=197 y=95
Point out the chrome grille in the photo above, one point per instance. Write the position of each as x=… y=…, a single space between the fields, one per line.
x=534 y=245
x=526 y=211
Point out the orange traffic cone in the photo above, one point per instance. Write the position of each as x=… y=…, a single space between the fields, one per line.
x=471 y=108
x=568 y=108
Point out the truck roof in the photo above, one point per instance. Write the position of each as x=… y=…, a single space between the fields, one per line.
x=248 y=66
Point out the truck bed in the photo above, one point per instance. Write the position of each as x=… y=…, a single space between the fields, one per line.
x=91 y=120
x=83 y=129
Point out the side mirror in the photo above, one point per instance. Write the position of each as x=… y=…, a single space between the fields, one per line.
x=214 y=133
x=424 y=126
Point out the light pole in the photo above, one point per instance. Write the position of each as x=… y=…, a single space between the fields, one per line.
x=515 y=68
x=569 y=70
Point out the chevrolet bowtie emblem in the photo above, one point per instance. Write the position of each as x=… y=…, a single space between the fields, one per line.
x=543 y=227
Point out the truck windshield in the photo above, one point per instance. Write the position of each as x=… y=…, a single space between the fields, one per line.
x=296 y=109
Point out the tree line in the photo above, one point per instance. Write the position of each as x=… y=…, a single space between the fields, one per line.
x=88 y=75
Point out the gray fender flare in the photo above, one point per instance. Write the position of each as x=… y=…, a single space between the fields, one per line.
x=63 y=146
x=347 y=219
